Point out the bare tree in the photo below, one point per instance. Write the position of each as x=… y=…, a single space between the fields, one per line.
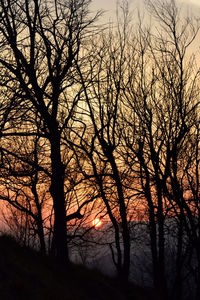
x=40 y=40
x=99 y=136
x=24 y=185
x=162 y=98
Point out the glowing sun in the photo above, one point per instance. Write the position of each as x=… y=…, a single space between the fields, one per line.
x=96 y=222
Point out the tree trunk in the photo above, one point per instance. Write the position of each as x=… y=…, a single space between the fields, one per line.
x=57 y=193
x=179 y=258
x=123 y=214
x=40 y=228
x=157 y=241
x=117 y=262
x=162 y=285
x=41 y=235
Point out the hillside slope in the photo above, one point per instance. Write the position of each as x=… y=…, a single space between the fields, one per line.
x=26 y=275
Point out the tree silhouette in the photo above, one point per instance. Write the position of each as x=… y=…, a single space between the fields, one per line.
x=40 y=41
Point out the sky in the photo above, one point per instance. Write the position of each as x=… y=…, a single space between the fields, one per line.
x=110 y=5
x=197 y=2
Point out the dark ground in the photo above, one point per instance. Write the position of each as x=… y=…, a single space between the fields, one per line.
x=24 y=275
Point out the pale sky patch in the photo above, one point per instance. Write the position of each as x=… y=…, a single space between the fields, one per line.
x=110 y=5
x=196 y=2
x=190 y=7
